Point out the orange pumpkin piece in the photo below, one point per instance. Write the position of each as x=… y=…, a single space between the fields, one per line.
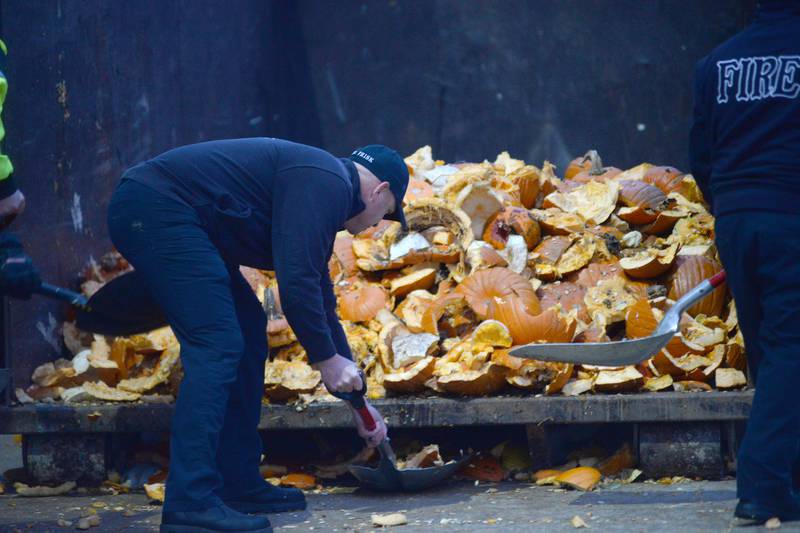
x=640 y=321
x=582 y=163
x=489 y=379
x=361 y=302
x=649 y=263
x=545 y=475
x=691 y=272
x=564 y=373
x=421 y=279
x=580 y=478
x=480 y=288
x=556 y=222
x=658 y=384
x=449 y=314
x=412 y=378
x=691 y=386
x=528 y=181
x=729 y=378
x=601 y=175
x=551 y=249
x=634 y=193
x=512 y=220
x=622 y=459
x=594 y=273
x=664 y=222
x=626 y=380
x=299 y=481
x=637 y=215
x=548 y=326
x=668 y=179
x=485 y=468
x=568 y=295
x=343 y=258
x=417 y=189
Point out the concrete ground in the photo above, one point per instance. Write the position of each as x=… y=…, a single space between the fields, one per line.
x=458 y=506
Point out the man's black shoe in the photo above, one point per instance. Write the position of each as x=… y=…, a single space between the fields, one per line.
x=761 y=512
x=214 y=520
x=268 y=499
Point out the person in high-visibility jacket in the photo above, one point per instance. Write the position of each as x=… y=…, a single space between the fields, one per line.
x=18 y=276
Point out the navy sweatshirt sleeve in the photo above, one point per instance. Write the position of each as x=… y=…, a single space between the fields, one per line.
x=699 y=136
x=339 y=338
x=310 y=205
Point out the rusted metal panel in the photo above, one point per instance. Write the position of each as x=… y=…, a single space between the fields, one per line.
x=402 y=412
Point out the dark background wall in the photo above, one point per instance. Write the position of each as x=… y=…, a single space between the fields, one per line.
x=541 y=78
x=96 y=86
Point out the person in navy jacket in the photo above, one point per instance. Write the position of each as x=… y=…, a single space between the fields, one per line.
x=186 y=220
x=745 y=155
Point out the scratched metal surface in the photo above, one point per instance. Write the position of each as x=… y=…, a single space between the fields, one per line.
x=540 y=78
x=98 y=86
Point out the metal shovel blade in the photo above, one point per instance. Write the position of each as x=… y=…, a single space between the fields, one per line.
x=123 y=306
x=386 y=477
x=620 y=353
x=625 y=352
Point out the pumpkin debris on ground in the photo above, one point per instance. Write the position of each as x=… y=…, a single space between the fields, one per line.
x=498 y=254
x=388 y=520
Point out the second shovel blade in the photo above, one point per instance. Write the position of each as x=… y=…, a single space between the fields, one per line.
x=123 y=306
x=620 y=353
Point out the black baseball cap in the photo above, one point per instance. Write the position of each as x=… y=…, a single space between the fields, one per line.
x=388 y=166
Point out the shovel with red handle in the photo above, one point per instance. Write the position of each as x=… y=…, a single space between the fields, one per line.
x=625 y=352
x=386 y=477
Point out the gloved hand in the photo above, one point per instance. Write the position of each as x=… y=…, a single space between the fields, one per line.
x=18 y=277
x=12 y=205
x=339 y=374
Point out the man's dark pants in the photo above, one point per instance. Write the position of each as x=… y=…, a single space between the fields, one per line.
x=215 y=446
x=761 y=254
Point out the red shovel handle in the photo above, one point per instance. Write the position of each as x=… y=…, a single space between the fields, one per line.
x=356 y=400
x=366 y=417
x=717 y=279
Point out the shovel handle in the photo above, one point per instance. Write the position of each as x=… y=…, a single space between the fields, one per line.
x=717 y=279
x=65 y=295
x=356 y=400
x=366 y=418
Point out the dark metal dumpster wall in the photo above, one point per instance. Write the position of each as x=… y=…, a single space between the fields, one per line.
x=541 y=78
x=96 y=86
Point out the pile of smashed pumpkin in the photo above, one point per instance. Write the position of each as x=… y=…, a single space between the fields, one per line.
x=498 y=254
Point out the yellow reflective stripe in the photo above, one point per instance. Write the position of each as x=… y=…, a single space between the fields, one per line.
x=6 y=168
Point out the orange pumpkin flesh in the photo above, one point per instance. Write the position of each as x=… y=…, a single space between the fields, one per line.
x=299 y=481
x=548 y=326
x=512 y=220
x=481 y=287
x=668 y=179
x=635 y=193
x=580 y=478
x=362 y=303
x=529 y=184
x=568 y=295
x=417 y=189
x=485 y=468
x=692 y=271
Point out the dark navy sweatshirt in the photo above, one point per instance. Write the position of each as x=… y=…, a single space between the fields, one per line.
x=270 y=204
x=745 y=139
